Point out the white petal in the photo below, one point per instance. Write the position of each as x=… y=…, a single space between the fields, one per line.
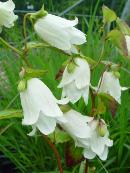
x=82 y=73
x=52 y=34
x=128 y=43
x=63 y=101
x=72 y=50
x=88 y=153
x=85 y=94
x=104 y=154
x=7 y=16
x=60 y=22
x=124 y=88
x=72 y=92
x=45 y=124
x=30 y=110
x=37 y=97
x=43 y=98
x=33 y=132
x=110 y=85
x=76 y=36
x=66 y=78
x=109 y=142
x=8 y=5
x=97 y=143
x=76 y=125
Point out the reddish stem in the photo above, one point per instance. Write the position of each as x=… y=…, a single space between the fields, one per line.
x=86 y=167
x=57 y=155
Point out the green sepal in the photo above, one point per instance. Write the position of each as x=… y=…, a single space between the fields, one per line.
x=22 y=85
x=59 y=136
x=10 y=113
x=39 y=14
x=71 y=67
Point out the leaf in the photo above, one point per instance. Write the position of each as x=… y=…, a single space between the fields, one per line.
x=12 y=113
x=118 y=40
x=124 y=28
x=73 y=154
x=108 y=15
x=59 y=136
x=105 y=96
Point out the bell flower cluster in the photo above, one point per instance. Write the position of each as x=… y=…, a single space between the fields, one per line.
x=89 y=133
x=7 y=16
x=75 y=84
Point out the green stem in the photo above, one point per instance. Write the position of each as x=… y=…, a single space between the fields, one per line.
x=11 y=47
x=18 y=52
x=24 y=30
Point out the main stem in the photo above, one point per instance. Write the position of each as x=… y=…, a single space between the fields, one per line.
x=55 y=152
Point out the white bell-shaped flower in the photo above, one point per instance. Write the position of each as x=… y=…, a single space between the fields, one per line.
x=59 y=32
x=110 y=84
x=40 y=107
x=99 y=141
x=7 y=16
x=76 y=84
x=76 y=126
x=127 y=38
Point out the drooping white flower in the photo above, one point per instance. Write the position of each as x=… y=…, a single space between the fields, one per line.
x=59 y=32
x=40 y=107
x=110 y=84
x=76 y=126
x=98 y=144
x=76 y=84
x=128 y=43
x=7 y=16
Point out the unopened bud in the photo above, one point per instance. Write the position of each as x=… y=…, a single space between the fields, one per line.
x=101 y=128
x=22 y=85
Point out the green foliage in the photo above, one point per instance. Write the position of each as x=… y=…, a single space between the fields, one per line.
x=32 y=154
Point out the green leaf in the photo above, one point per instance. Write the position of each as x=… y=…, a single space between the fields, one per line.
x=59 y=136
x=124 y=28
x=118 y=40
x=12 y=113
x=36 y=44
x=105 y=96
x=108 y=15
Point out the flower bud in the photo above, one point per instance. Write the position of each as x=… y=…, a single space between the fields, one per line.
x=101 y=128
x=22 y=85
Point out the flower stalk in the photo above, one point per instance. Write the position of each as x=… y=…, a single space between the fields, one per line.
x=57 y=155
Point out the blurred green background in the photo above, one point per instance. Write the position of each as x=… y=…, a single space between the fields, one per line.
x=22 y=154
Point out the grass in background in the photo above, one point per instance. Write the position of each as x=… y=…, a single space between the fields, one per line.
x=32 y=154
